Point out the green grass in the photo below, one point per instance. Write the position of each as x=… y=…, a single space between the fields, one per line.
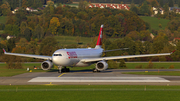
x=69 y=40
x=4 y=72
x=90 y=93
x=169 y=73
x=3 y=19
x=154 y=22
x=72 y=5
x=156 y=65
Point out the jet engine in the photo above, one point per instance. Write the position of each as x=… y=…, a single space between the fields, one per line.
x=101 y=65
x=46 y=65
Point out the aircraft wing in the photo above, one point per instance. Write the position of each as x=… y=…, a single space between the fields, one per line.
x=29 y=55
x=115 y=50
x=122 y=57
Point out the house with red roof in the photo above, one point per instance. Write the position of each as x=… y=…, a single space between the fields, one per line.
x=113 y=6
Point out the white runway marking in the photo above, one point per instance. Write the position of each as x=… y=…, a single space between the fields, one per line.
x=98 y=79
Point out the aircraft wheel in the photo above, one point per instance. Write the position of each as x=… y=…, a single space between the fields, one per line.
x=95 y=70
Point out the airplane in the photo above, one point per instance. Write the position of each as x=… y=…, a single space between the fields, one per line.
x=81 y=57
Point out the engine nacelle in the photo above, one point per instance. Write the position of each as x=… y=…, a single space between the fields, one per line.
x=101 y=65
x=46 y=65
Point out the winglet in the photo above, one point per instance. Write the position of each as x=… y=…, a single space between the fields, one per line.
x=4 y=50
x=173 y=51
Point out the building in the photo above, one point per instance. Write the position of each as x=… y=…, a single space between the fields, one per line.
x=112 y=6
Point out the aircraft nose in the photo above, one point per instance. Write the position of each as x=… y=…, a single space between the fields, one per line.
x=55 y=60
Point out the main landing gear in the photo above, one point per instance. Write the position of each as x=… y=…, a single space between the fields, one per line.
x=61 y=69
x=95 y=70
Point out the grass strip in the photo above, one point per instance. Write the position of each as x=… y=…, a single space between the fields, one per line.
x=90 y=93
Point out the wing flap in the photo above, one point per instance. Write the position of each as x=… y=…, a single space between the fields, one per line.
x=122 y=57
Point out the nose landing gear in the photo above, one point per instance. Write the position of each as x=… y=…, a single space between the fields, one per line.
x=61 y=69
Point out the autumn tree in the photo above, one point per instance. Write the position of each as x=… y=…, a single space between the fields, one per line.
x=32 y=47
x=23 y=27
x=5 y=8
x=161 y=2
x=134 y=8
x=48 y=46
x=22 y=45
x=82 y=4
x=54 y=24
x=20 y=16
x=27 y=33
x=38 y=32
x=51 y=6
x=145 y=9
x=11 y=44
x=160 y=42
x=171 y=3
x=122 y=64
x=24 y=4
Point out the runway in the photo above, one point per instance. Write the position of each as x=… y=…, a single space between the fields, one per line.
x=98 y=79
x=109 y=77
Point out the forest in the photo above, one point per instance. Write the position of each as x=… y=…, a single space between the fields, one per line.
x=36 y=31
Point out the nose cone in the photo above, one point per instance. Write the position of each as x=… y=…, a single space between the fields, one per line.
x=55 y=60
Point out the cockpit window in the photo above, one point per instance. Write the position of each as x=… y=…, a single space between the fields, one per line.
x=57 y=54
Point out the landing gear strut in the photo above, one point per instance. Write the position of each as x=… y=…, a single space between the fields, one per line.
x=95 y=70
x=61 y=69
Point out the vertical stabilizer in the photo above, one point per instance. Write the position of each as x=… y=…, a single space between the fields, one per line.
x=99 y=41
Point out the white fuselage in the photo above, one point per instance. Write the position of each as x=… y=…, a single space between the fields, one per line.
x=72 y=57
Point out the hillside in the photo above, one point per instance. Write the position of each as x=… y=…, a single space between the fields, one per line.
x=154 y=22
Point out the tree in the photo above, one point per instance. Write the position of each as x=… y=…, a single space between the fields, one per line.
x=20 y=16
x=11 y=44
x=8 y=29
x=54 y=24
x=178 y=3
x=166 y=11
x=122 y=64
x=23 y=27
x=21 y=48
x=37 y=3
x=32 y=47
x=154 y=3
x=38 y=32
x=171 y=3
x=161 y=3
x=27 y=33
x=5 y=8
x=159 y=42
x=145 y=9
x=48 y=46
x=51 y=6
x=134 y=8
x=15 y=30
x=24 y=4
x=82 y=4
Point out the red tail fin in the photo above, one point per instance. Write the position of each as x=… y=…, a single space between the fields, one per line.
x=99 y=41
